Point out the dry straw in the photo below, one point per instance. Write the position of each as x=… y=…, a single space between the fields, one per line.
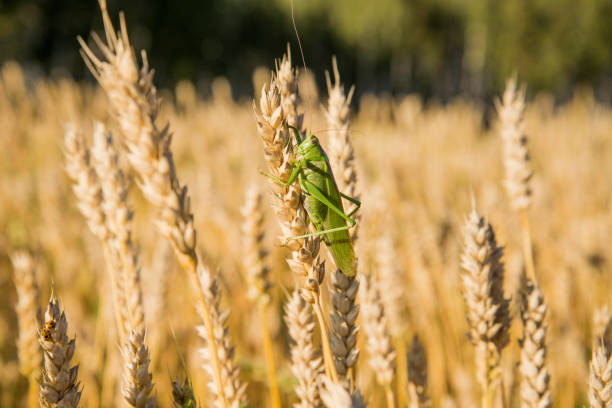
x=535 y=391
x=306 y=363
x=136 y=108
x=28 y=311
x=378 y=340
x=59 y=387
x=487 y=309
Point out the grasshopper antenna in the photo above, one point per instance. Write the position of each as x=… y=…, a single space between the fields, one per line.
x=297 y=36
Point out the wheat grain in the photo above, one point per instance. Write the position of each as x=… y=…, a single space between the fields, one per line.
x=343 y=321
x=600 y=378
x=487 y=309
x=59 y=386
x=288 y=87
x=306 y=362
x=137 y=379
x=535 y=380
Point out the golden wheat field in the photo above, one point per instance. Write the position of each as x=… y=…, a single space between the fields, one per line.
x=134 y=220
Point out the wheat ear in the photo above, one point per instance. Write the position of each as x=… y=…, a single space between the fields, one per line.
x=277 y=99
x=534 y=386
x=487 y=309
x=136 y=107
x=90 y=198
x=254 y=261
x=119 y=221
x=306 y=363
x=59 y=386
x=344 y=288
x=340 y=396
x=342 y=154
x=600 y=366
x=378 y=340
x=517 y=162
x=417 y=375
x=182 y=395
x=28 y=312
x=138 y=380
x=391 y=284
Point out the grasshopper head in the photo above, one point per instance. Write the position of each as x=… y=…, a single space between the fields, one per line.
x=309 y=145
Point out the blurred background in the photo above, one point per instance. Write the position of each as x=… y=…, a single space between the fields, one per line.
x=437 y=48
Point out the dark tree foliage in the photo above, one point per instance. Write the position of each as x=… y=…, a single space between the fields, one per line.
x=438 y=48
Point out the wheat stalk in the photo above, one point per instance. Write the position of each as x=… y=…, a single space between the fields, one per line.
x=487 y=309
x=378 y=340
x=28 y=312
x=59 y=386
x=417 y=375
x=517 y=162
x=340 y=396
x=136 y=107
x=257 y=278
x=90 y=198
x=306 y=363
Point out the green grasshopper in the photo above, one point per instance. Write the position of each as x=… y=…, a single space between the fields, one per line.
x=322 y=200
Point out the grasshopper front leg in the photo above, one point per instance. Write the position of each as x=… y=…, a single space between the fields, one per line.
x=292 y=177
